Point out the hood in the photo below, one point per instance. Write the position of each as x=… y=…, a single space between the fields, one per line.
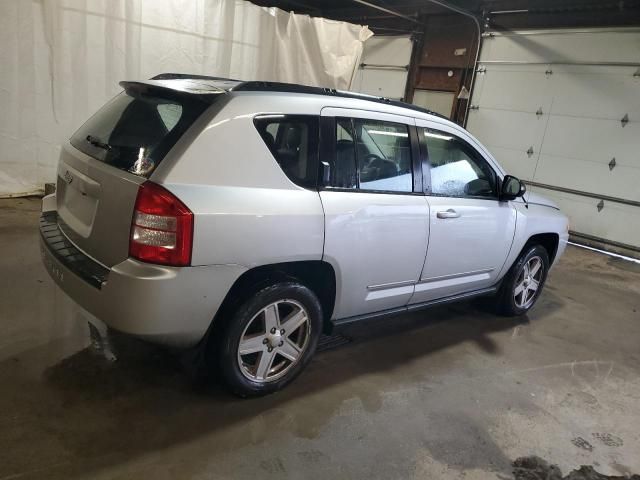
x=536 y=199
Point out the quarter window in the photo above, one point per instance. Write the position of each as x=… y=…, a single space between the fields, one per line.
x=457 y=170
x=372 y=155
x=293 y=142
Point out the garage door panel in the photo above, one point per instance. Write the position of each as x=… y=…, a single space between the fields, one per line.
x=592 y=46
x=596 y=91
x=589 y=177
x=616 y=222
x=388 y=50
x=592 y=139
x=383 y=83
x=507 y=129
x=384 y=67
x=583 y=80
x=510 y=89
x=514 y=162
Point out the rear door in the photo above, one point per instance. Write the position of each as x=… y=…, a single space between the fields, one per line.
x=106 y=160
x=471 y=231
x=376 y=218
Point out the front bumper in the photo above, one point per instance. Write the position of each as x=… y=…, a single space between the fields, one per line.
x=168 y=305
x=562 y=246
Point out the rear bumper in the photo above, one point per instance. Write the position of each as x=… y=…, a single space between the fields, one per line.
x=168 y=305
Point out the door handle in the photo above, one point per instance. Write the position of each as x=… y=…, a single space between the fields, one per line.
x=450 y=213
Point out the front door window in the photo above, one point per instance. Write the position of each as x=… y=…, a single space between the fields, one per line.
x=456 y=169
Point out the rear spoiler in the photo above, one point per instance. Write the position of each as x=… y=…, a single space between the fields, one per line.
x=174 y=89
x=181 y=76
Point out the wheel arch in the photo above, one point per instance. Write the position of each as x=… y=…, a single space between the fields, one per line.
x=317 y=275
x=549 y=241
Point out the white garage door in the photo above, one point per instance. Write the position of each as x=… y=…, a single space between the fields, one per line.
x=561 y=110
x=384 y=67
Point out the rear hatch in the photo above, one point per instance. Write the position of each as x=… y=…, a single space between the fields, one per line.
x=114 y=152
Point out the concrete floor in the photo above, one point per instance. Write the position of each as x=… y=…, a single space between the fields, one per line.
x=448 y=393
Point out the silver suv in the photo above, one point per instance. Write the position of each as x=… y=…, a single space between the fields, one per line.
x=243 y=219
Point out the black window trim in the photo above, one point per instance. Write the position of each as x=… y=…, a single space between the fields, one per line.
x=425 y=166
x=328 y=139
x=424 y=150
x=315 y=144
x=417 y=166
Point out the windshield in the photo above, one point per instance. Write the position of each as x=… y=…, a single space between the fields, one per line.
x=135 y=130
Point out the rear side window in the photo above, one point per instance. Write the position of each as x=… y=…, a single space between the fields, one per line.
x=372 y=155
x=136 y=129
x=384 y=156
x=293 y=142
x=344 y=173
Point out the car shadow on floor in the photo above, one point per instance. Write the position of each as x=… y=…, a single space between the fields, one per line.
x=100 y=412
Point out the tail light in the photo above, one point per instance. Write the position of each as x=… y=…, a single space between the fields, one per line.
x=162 y=227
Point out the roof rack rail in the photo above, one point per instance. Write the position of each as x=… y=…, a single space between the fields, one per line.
x=264 y=86
x=259 y=86
x=187 y=76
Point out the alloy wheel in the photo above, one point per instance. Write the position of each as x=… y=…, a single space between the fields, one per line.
x=274 y=341
x=528 y=282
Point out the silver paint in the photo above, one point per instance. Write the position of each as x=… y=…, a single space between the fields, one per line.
x=387 y=250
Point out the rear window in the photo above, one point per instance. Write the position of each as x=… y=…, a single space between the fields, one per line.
x=136 y=129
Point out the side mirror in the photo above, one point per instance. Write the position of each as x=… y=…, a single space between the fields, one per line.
x=511 y=188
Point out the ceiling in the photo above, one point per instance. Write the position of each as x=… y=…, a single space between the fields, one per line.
x=408 y=16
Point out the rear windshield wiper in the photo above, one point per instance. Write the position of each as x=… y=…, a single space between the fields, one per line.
x=97 y=143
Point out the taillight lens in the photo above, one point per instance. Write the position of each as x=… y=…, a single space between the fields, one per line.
x=162 y=227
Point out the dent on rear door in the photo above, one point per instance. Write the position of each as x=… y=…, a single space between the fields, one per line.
x=375 y=240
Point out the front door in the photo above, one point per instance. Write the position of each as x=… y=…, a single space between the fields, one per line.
x=471 y=231
x=376 y=218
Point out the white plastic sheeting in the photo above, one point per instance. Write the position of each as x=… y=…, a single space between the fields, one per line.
x=62 y=59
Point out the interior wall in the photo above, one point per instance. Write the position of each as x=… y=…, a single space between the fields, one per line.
x=62 y=59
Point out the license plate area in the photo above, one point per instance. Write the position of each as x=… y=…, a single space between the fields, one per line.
x=77 y=199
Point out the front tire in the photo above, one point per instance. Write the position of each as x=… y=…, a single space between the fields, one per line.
x=523 y=283
x=270 y=339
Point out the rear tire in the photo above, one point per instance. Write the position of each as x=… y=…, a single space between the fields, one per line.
x=523 y=283
x=269 y=339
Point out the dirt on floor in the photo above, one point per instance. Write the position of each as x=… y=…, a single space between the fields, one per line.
x=535 y=468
